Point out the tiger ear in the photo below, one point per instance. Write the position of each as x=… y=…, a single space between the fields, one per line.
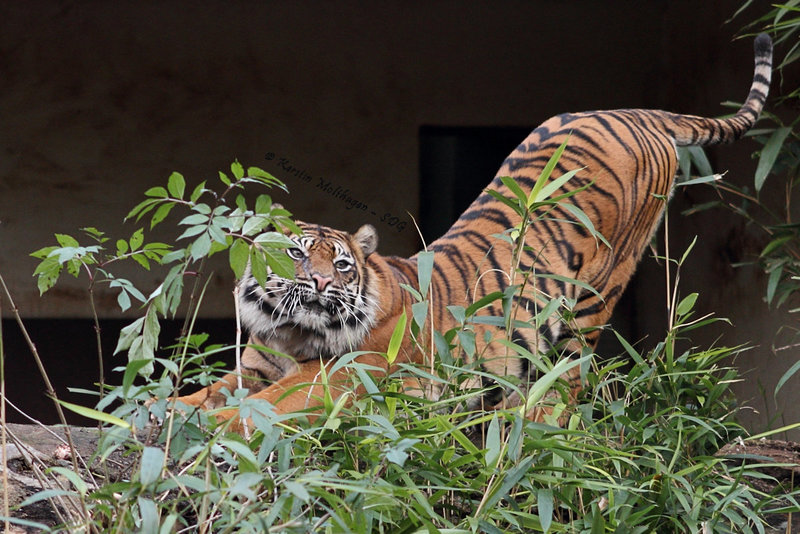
x=367 y=238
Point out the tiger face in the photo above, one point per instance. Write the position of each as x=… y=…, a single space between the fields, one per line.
x=331 y=304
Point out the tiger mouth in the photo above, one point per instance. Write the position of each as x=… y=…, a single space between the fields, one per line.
x=316 y=303
x=318 y=307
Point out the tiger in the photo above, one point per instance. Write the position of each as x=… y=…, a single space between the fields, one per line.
x=345 y=296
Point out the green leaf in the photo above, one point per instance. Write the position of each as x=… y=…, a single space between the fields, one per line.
x=238 y=255
x=507 y=480
x=200 y=247
x=254 y=224
x=224 y=178
x=137 y=239
x=72 y=476
x=128 y=334
x=684 y=162
x=156 y=192
x=192 y=231
x=148 y=511
x=142 y=208
x=419 y=311
x=151 y=330
x=786 y=376
x=197 y=191
x=467 y=340
x=48 y=272
x=493 y=443
x=217 y=234
x=586 y=222
x=123 y=300
x=152 y=463
x=482 y=302
x=700 y=160
x=194 y=219
x=514 y=187
x=424 y=270
x=247 y=460
x=263 y=204
x=97 y=415
x=397 y=338
x=546 y=381
x=776 y=244
x=160 y=214
x=176 y=185
x=273 y=239
x=131 y=371
x=43 y=495
x=458 y=313
x=67 y=241
x=122 y=247
x=298 y=490
x=544 y=504
x=545 y=174
x=769 y=154
x=141 y=259
x=554 y=185
x=237 y=170
x=280 y=263
x=772 y=283
x=43 y=252
x=258 y=265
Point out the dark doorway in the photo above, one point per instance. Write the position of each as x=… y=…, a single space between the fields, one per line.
x=455 y=165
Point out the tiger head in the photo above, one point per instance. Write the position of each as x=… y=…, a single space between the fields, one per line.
x=329 y=307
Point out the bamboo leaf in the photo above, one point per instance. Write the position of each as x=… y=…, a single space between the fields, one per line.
x=97 y=415
x=152 y=461
x=74 y=478
x=687 y=304
x=554 y=185
x=493 y=443
x=424 y=270
x=772 y=282
x=397 y=338
x=769 y=154
x=514 y=187
x=545 y=174
x=544 y=504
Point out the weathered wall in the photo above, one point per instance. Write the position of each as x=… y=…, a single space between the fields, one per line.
x=102 y=100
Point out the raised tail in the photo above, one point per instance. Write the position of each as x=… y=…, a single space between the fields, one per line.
x=691 y=130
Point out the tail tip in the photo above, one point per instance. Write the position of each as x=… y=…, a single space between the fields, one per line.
x=763 y=44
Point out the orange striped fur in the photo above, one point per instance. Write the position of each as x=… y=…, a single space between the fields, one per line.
x=347 y=297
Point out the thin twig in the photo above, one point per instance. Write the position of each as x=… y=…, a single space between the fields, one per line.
x=48 y=385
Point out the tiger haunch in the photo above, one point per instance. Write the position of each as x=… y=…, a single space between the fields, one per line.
x=628 y=159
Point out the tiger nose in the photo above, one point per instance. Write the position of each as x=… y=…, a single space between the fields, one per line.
x=322 y=281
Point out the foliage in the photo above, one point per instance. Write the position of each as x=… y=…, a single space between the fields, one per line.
x=636 y=454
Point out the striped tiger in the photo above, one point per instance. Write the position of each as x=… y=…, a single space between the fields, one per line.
x=346 y=297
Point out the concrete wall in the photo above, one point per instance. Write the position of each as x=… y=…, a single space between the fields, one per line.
x=102 y=100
